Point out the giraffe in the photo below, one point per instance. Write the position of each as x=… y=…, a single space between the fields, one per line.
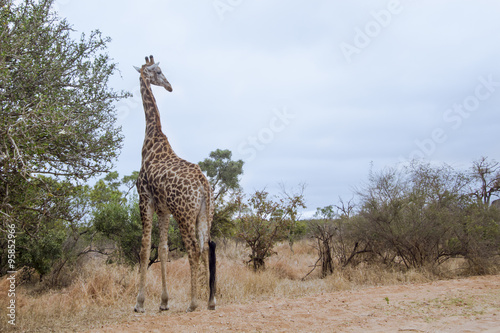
x=169 y=185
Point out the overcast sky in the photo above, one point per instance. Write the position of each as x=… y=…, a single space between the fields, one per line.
x=309 y=91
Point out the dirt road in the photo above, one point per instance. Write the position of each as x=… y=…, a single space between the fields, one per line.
x=465 y=305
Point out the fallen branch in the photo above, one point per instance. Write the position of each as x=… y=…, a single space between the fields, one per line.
x=314 y=267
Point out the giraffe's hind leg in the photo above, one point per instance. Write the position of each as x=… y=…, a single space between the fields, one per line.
x=194 y=263
x=187 y=229
x=207 y=249
x=209 y=266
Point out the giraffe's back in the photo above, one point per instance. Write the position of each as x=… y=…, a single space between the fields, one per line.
x=177 y=186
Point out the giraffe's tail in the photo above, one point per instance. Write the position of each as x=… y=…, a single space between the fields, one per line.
x=212 y=269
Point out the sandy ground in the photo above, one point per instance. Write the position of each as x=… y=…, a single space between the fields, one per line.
x=465 y=305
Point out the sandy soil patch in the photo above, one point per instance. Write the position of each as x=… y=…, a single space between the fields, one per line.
x=462 y=305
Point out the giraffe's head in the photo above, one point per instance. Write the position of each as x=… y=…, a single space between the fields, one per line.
x=151 y=72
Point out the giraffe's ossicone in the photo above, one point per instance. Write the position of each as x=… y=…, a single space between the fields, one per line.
x=169 y=185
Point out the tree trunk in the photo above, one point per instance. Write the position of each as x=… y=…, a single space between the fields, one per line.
x=326 y=257
x=258 y=264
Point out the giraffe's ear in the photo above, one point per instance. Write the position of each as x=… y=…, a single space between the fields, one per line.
x=137 y=69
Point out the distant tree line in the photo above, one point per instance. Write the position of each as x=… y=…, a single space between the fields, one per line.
x=410 y=217
x=417 y=216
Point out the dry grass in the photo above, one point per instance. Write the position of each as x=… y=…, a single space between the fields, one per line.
x=103 y=294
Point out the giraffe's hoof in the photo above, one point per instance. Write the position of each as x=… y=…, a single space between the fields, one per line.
x=191 y=308
x=211 y=304
x=139 y=309
x=164 y=307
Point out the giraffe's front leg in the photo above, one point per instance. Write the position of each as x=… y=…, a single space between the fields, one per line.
x=146 y=210
x=143 y=269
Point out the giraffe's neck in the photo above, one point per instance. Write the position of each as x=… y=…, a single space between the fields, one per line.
x=153 y=124
x=152 y=114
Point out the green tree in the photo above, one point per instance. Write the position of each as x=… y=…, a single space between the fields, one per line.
x=57 y=124
x=116 y=218
x=223 y=174
x=121 y=224
x=264 y=221
x=49 y=211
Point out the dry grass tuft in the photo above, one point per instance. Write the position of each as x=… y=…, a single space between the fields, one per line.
x=102 y=294
x=95 y=296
